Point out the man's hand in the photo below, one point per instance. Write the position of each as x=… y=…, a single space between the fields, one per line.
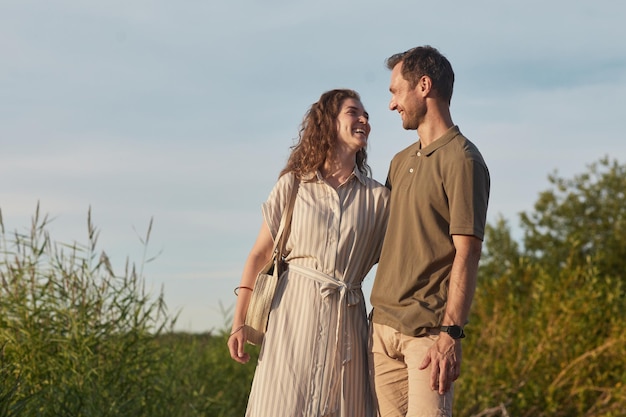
x=445 y=360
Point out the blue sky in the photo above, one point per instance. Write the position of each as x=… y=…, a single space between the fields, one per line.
x=184 y=112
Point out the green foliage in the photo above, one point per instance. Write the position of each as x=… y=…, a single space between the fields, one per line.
x=78 y=340
x=546 y=335
x=583 y=216
x=204 y=380
x=547 y=325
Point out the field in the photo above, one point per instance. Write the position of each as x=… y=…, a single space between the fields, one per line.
x=547 y=329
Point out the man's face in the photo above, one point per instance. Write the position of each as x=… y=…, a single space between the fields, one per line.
x=406 y=100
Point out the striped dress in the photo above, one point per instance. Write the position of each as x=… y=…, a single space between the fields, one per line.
x=314 y=359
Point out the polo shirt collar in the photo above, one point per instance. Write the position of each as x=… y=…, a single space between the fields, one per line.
x=441 y=141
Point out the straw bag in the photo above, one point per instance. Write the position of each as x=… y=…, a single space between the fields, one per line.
x=267 y=281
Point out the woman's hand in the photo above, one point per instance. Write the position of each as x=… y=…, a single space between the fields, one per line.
x=236 y=344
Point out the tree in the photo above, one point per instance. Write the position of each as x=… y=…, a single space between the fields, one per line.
x=584 y=216
x=546 y=334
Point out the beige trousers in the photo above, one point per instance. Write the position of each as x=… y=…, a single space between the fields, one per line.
x=402 y=390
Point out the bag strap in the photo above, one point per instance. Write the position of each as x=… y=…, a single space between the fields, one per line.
x=285 y=221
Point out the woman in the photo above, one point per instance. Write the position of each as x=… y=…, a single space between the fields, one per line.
x=313 y=361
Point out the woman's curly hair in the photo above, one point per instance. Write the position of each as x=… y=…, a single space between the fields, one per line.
x=318 y=136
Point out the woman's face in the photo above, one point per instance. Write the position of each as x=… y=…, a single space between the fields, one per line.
x=353 y=126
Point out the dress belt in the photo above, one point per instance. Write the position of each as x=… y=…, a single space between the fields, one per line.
x=349 y=295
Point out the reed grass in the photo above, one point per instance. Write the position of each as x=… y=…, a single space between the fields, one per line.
x=77 y=338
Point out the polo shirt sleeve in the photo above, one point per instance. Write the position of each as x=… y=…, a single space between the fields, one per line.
x=468 y=196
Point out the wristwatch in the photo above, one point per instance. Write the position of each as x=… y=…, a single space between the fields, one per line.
x=455 y=332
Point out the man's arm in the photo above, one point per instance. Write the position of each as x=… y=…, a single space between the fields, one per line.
x=445 y=355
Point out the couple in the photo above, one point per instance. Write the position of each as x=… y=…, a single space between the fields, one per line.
x=425 y=230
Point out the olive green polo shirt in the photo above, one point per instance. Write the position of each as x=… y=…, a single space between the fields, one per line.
x=436 y=192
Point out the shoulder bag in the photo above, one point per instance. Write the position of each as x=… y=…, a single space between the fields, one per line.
x=266 y=283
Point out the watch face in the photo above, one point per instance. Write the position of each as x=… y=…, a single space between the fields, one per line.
x=455 y=331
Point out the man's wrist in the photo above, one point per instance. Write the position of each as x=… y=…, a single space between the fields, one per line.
x=454 y=331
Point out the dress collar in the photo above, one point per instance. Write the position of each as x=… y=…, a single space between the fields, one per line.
x=318 y=176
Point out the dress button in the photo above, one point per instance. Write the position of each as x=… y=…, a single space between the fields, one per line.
x=411 y=170
x=419 y=153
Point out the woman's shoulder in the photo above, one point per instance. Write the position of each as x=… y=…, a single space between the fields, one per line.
x=285 y=181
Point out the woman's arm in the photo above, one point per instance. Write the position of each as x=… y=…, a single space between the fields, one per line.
x=260 y=254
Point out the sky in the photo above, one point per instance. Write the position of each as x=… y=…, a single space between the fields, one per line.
x=183 y=112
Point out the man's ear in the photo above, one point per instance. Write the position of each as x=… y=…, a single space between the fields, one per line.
x=424 y=85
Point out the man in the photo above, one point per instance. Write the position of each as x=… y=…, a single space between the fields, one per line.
x=426 y=276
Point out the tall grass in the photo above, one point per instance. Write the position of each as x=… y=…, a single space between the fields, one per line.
x=76 y=338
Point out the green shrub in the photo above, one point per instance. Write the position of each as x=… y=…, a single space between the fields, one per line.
x=545 y=343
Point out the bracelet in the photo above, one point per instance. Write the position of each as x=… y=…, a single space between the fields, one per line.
x=236 y=290
x=237 y=329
